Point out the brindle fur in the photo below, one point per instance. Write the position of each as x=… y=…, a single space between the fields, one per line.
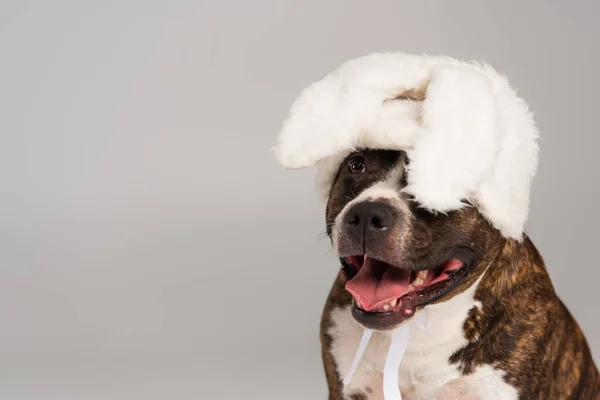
x=522 y=328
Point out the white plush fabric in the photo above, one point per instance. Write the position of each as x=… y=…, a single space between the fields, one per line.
x=471 y=138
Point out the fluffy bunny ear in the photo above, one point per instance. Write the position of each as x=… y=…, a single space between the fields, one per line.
x=459 y=143
x=503 y=197
x=480 y=144
x=353 y=107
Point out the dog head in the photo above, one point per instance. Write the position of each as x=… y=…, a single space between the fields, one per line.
x=409 y=114
x=396 y=256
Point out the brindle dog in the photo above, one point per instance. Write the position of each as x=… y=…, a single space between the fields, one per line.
x=498 y=329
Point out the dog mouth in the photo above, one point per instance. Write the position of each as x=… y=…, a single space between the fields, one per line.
x=385 y=295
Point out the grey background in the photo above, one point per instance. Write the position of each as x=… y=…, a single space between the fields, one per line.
x=150 y=247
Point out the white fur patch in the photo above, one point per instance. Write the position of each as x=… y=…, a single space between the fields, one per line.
x=425 y=372
x=388 y=189
x=472 y=138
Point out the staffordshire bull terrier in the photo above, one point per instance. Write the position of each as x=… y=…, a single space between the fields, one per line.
x=425 y=164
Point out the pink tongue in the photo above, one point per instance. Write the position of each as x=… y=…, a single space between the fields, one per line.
x=377 y=284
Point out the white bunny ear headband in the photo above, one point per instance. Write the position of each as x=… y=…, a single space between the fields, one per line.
x=468 y=136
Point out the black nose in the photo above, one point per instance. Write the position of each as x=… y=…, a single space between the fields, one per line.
x=369 y=218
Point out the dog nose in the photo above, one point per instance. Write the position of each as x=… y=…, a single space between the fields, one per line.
x=369 y=218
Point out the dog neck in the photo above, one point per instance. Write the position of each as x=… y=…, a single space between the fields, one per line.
x=511 y=286
x=516 y=271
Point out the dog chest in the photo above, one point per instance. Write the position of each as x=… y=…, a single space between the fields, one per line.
x=425 y=372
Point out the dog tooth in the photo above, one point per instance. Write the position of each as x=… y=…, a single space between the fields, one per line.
x=423 y=274
x=394 y=302
x=418 y=281
x=386 y=307
x=411 y=288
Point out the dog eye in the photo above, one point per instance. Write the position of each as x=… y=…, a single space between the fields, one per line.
x=356 y=165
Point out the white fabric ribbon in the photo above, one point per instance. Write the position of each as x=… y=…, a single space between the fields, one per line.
x=391 y=387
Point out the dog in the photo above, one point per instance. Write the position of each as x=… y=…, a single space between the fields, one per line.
x=425 y=163
x=498 y=329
